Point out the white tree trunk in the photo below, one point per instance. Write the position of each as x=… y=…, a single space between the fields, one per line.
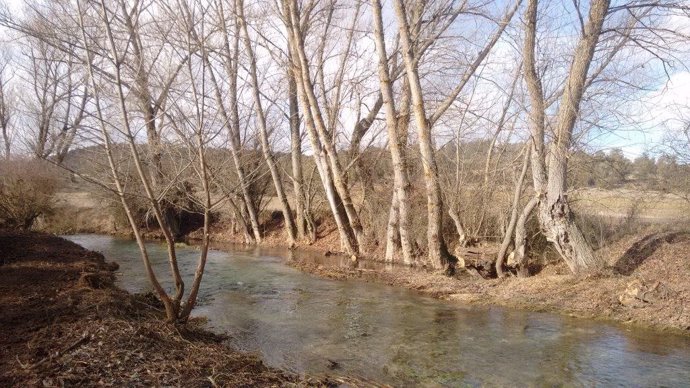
x=507 y=238
x=400 y=202
x=438 y=256
x=550 y=179
x=263 y=130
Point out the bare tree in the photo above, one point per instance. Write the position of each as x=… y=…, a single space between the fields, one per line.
x=438 y=255
x=230 y=57
x=549 y=171
x=325 y=154
x=263 y=130
x=401 y=185
x=48 y=71
x=6 y=110
x=115 y=54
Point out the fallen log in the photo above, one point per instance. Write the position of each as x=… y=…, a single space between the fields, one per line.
x=478 y=261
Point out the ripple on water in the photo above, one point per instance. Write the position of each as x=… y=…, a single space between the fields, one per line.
x=306 y=324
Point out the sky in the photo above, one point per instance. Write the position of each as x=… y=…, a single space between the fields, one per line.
x=655 y=112
x=658 y=115
x=660 y=110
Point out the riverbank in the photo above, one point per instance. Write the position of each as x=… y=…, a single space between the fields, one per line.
x=646 y=285
x=64 y=322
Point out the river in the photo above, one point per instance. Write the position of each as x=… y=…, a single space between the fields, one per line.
x=305 y=324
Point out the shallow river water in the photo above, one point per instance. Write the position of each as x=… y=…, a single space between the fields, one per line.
x=303 y=323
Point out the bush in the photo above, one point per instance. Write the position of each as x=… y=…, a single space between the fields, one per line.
x=604 y=229
x=27 y=188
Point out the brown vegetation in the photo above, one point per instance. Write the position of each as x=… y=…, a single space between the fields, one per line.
x=27 y=189
x=65 y=323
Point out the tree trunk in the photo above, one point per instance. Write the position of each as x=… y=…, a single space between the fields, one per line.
x=231 y=58
x=325 y=140
x=6 y=140
x=555 y=213
x=357 y=162
x=149 y=109
x=5 y=115
x=459 y=227
x=346 y=230
x=550 y=180
x=438 y=256
x=238 y=214
x=296 y=153
x=171 y=306
x=520 y=254
x=393 y=230
x=556 y=219
x=507 y=238
x=400 y=178
x=393 y=244
x=263 y=130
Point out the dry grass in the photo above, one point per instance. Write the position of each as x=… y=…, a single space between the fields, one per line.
x=650 y=206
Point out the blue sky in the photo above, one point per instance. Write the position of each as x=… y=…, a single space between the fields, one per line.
x=654 y=112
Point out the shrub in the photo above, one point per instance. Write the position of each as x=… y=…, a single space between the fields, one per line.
x=27 y=188
x=604 y=229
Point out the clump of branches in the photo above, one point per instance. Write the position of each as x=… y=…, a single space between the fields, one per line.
x=27 y=189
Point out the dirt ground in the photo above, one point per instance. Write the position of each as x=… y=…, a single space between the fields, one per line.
x=646 y=285
x=65 y=323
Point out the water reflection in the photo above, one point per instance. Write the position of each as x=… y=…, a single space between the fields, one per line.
x=306 y=324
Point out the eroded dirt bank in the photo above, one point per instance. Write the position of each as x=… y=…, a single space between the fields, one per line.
x=65 y=323
x=647 y=285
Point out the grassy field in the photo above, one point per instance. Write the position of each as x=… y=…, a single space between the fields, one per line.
x=649 y=206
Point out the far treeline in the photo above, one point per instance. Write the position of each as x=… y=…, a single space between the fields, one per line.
x=411 y=129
